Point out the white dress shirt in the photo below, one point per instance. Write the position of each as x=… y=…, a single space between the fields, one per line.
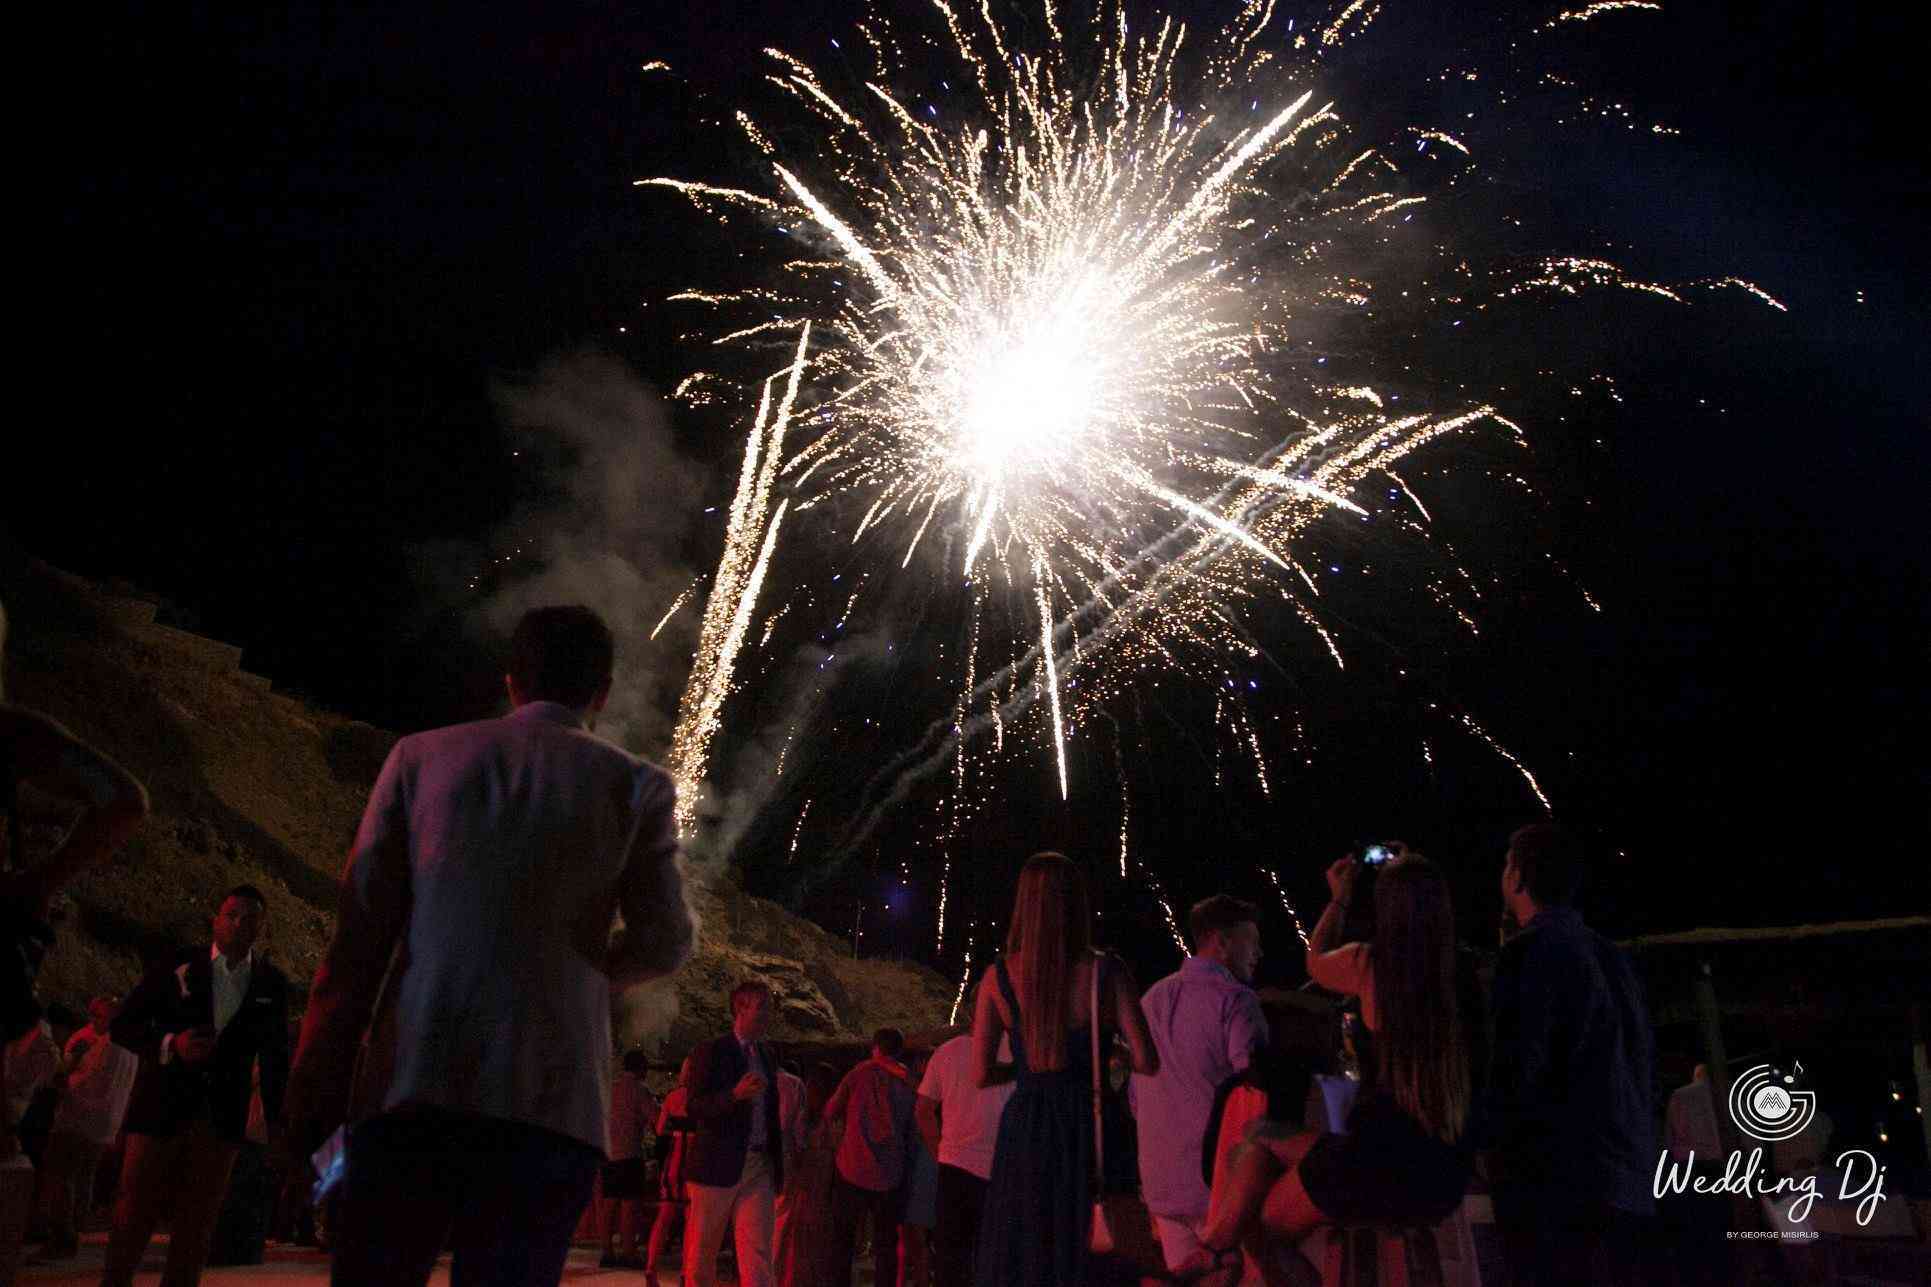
x=508 y=845
x=759 y=1134
x=231 y=984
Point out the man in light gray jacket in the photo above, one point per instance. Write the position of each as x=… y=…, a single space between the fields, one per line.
x=490 y=863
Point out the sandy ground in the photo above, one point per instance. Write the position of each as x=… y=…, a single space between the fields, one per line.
x=293 y=1265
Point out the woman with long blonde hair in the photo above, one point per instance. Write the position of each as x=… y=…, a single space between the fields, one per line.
x=1405 y=1157
x=1038 y=1206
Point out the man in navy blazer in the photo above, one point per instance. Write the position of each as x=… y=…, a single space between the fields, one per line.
x=199 y=1022
x=734 y=1164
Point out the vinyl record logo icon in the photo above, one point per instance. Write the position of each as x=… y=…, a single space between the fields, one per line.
x=1765 y=1107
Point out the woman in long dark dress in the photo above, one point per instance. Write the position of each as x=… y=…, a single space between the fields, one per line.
x=1038 y=1206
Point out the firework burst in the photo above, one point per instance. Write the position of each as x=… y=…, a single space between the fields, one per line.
x=1062 y=343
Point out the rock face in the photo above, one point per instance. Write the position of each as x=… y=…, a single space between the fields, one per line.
x=252 y=786
x=821 y=992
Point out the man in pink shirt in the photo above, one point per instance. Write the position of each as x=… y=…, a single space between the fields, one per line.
x=621 y=1187
x=1206 y=1024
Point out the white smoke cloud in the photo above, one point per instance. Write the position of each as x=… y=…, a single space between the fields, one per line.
x=782 y=748
x=611 y=533
x=618 y=507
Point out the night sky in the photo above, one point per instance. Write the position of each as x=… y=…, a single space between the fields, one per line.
x=295 y=250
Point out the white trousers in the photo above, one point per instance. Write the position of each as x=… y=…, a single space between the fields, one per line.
x=747 y=1207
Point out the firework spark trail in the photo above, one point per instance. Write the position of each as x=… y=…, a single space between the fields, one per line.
x=945 y=892
x=1166 y=911
x=1047 y=652
x=734 y=593
x=1220 y=771
x=1591 y=11
x=1260 y=760
x=798 y=831
x=956 y=811
x=1752 y=288
x=676 y=603
x=1286 y=904
x=1469 y=723
x=734 y=634
x=965 y=977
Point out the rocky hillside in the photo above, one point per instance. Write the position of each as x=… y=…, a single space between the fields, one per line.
x=250 y=785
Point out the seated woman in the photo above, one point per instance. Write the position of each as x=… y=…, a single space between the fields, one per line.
x=1404 y=1158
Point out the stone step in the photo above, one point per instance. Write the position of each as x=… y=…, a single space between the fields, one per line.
x=217 y=656
x=126 y=613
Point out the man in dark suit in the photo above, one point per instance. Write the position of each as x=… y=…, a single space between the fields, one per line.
x=199 y=1023
x=1572 y=1142
x=734 y=1164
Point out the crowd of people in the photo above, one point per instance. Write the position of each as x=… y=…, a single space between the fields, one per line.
x=511 y=876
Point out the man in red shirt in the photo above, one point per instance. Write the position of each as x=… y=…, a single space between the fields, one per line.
x=875 y=1100
x=621 y=1187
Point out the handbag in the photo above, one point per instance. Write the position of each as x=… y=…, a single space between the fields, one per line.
x=1100 y=1240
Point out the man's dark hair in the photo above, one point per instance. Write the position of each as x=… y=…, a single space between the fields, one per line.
x=1217 y=915
x=890 y=1042
x=636 y=1063
x=749 y=988
x=1551 y=862
x=245 y=891
x=561 y=654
